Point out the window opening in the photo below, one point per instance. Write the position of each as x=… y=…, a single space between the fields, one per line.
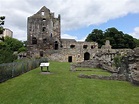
x=85 y=46
x=41 y=53
x=45 y=40
x=42 y=13
x=72 y=46
x=34 y=40
x=43 y=29
x=92 y=47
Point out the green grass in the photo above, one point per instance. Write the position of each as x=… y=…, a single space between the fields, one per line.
x=64 y=87
x=90 y=71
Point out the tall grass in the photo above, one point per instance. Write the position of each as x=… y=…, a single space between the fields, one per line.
x=64 y=87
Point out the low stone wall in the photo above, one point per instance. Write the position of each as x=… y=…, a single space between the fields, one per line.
x=112 y=77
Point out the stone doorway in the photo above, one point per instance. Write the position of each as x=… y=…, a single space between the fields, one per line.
x=86 y=56
x=41 y=53
x=70 y=59
x=56 y=45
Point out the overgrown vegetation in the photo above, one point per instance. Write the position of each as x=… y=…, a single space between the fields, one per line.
x=117 y=61
x=117 y=38
x=64 y=87
x=8 y=47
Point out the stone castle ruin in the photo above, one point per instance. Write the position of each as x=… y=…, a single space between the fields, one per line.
x=44 y=40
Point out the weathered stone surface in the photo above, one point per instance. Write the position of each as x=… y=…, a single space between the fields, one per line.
x=112 y=77
x=44 y=40
x=130 y=66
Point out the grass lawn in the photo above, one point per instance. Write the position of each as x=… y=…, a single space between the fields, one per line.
x=64 y=87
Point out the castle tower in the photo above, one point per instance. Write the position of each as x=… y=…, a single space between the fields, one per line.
x=43 y=32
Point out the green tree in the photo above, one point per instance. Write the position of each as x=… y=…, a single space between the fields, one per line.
x=22 y=49
x=96 y=36
x=13 y=43
x=6 y=55
x=117 y=61
x=137 y=42
x=117 y=38
x=7 y=49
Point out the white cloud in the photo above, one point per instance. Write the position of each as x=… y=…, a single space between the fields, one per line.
x=135 y=34
x=67 y=36
x=74 y=13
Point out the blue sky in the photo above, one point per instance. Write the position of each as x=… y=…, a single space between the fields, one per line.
x=126 y=24
x=78 y=17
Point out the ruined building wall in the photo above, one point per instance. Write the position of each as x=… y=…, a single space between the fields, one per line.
x=43 y=32
x=73 y=51
x=44 y=40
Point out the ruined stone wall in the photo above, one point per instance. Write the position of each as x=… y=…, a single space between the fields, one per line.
x=73 y=51
x=130 y=66
x=43 y=31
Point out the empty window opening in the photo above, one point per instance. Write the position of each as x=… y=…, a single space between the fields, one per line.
x=70 y=59
x=86 y=56
x=72 y=46
x=43 y=29
x=85 y=46
x=42 y=13
x=45 y=40
x=92 y=47
x=43 y=19
x=34 y=40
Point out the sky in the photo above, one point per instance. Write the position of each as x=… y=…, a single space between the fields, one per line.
x=78 y=17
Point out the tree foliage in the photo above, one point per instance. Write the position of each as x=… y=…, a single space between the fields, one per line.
x=137 y=42
x=117 y=38
x=13 y=43
x=8 y=47
x=6 y=55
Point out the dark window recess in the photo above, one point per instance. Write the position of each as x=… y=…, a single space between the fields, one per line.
x=51 y=35
x=34 y=40
x=43 y=29
x=85 y=46
x=56 y=45
x=72 y=46
x=41 y=53
x=86 y=56
x=45 y=40
x=43 y=19
x=92 y=47
x=61 y=46
x=70 y=59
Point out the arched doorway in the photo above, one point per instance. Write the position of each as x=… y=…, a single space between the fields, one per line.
x=56 y=45
x=86 y=56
